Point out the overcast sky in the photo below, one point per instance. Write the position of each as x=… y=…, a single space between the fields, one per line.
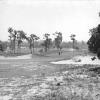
x=48 y=16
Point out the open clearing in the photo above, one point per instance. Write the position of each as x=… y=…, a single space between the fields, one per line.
x=39 y=79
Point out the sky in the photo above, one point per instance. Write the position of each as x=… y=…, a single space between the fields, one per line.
x=48 y=16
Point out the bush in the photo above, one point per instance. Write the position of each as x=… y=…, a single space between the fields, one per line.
x=98 y=53
x=94 y=41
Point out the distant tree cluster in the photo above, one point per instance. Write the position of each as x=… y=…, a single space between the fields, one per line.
x=58 y=40
x=16 y=38
x=31 y=41
x=47 y=42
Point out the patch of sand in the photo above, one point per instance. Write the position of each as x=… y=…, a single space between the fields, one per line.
x=80 y=60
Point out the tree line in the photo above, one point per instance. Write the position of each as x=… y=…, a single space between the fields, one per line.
x=16 y=38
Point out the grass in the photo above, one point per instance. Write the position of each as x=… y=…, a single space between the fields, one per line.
x=20 y=78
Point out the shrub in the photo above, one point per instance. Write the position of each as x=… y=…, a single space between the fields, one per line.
x=94 y=41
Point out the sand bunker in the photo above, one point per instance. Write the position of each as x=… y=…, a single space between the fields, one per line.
x=80 y=60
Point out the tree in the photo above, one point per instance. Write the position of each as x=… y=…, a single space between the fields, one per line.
x=20 y=37
x=47 y=42
x=58 y=41
x=94 y=41
x=31 y=41
x=73 y=39
x=10 y=30
x=12 y=36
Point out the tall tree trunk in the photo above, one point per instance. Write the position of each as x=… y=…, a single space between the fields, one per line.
x=46 y=49
x=32 y=47
x=10 y=45
x=19 y=48
x=14 y=46
x=73 y=47
x=73 y=44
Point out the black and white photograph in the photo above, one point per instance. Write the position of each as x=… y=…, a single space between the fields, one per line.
x=49 y=49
